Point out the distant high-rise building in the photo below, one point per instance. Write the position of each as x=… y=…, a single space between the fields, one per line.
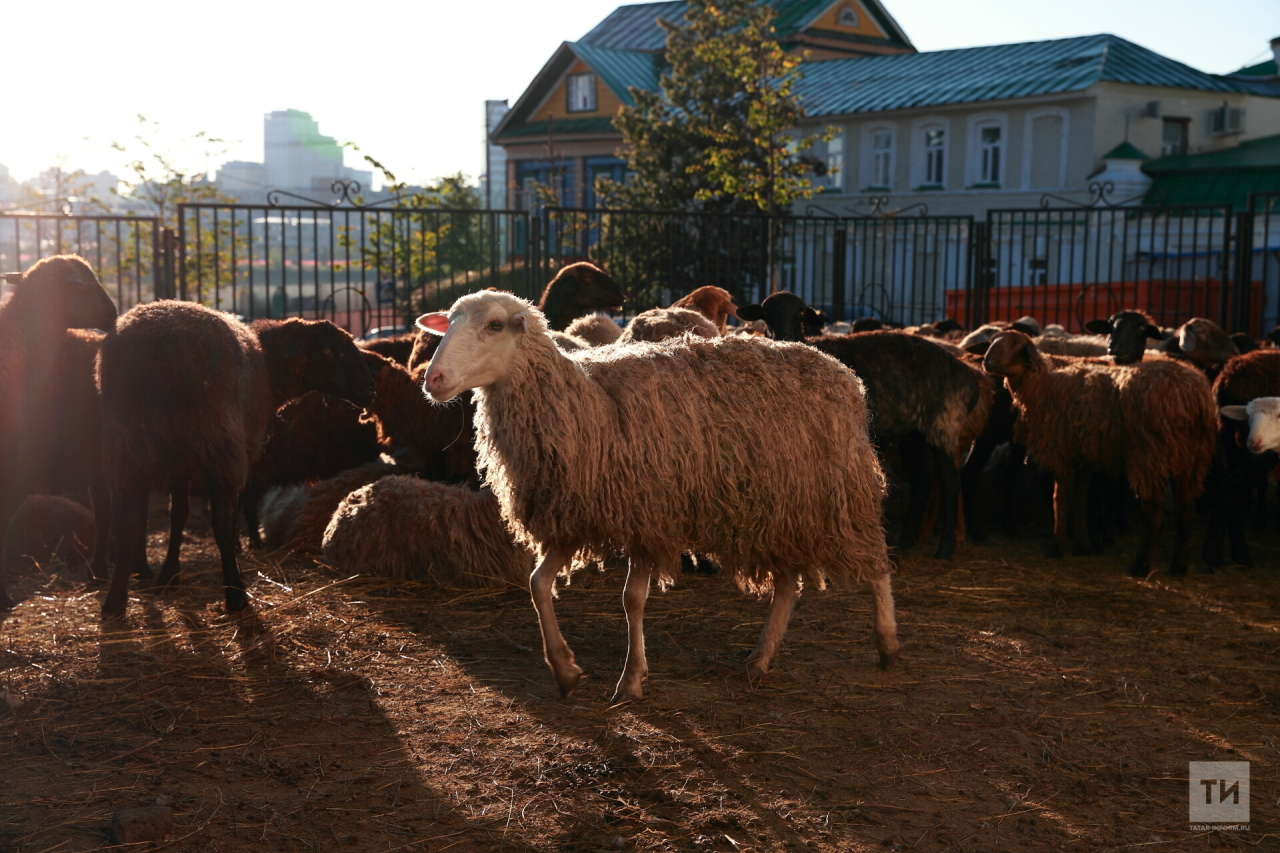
x=495 y=158
x=295 y=153
x=242 y=176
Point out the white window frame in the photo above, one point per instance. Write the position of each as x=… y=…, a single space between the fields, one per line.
x=868 y=159
x=919 y=171
x=973 y=168
x=1064 y=146
x=835 y=148
x=568 y=93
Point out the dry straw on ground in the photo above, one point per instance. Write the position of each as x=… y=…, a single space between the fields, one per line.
x=1040 y=706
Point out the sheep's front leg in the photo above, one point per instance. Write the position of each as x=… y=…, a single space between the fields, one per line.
x=634 y=596
x=885 y=620
x=558 y=654
x=785 y=593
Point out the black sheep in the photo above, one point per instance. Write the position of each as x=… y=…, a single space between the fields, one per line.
x=55 y=295
x=188 y=392
x=577 y=290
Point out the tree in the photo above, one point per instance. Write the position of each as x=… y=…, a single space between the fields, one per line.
x=159 y=181
x=717 y=136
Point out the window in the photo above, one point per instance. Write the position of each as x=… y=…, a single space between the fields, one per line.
x=990 y=146
x=935 y=156
x=581 y=92
x=848 y=17
x=1044 y=148
x=832 y=157
x=882 y=159
x=1173 y=139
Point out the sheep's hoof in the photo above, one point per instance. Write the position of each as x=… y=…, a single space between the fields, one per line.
x=889 y=658
x=945 y=552
x=568 y=679
x=144 y=571
x=6 y=603
x=1138 y=570
x=623 y=694
x=756 y=669
x=112 y=609
x=236 y=600
x=1053 y=552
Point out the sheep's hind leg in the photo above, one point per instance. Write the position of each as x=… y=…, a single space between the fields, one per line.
x=1152 y=516
x=634 y=596
x=223 y=503
x=785 y=593
x=1184 y=506
x=129 y=517
x=558 y=654
x=179 y=512
x=101 y=532
x=886 y=622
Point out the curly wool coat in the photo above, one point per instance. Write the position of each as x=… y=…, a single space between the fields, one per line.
x=411 y=529
x=646 y=449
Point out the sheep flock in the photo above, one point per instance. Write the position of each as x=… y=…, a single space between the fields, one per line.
x=505 y=443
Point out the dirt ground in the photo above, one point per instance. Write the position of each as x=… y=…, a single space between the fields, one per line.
x=1037 y=706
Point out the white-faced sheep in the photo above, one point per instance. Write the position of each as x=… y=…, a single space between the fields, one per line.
x=55 y=295
x=188 y=392
x=647 y=449
x=411 y=529
x=1148 y=423
x=659 y=324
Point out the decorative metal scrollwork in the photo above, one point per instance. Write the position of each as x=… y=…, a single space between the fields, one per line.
x=878 y=208
x=1099 y=196
x=345 y=190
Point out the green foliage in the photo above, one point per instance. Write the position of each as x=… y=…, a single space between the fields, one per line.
x=717 y=136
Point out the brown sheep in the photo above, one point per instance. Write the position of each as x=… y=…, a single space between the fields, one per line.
x=309 y=438
x=398 y=348
x=597 y=330
x=647 y=449
x=1248 y=377
x=188 y=392
x=577 y=289
x=411 y=529
x=55 y=295
x=49 y=527
x=295 y=517
x=424 y=346
x=714 y=303
x=659 y=324
x=441 y=437
x=1148 y=423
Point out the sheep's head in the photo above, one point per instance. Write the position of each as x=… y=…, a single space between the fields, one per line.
x=480 y=335
x=1011 y=355
x=1128 y=332
x=579 y=289
x=1263 y=416
x=325 y=356
x=715 y=303
x=64 y=292
x=1205 y=343
x=786 y=315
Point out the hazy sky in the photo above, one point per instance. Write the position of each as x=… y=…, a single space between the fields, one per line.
x=407 y=81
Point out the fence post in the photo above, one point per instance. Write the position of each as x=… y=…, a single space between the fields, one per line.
x=840 y=245
x=181 y=260
x=165 y=285
x=979 y=282
x=1242 y=276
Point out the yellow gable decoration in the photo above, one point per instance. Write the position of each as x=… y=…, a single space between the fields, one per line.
x=848 y=16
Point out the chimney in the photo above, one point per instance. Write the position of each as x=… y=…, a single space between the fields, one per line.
x=1275 y=51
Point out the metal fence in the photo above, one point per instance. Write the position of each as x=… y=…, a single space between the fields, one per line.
x=378 y=266
x=897 y=268
x=127 y=252
x=361 y=267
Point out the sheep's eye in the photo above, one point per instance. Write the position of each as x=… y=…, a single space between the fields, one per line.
x=327 y=351
x=495 y=325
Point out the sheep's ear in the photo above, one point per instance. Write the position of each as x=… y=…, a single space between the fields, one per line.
x=980 y=348
x=1098 y=327
x=12 y=277
x=1235 y=413
x=750 y=313
x=1186 y=339
x=1026 y=329
x=435 y=323
x=1154 y=333
x=519 y=321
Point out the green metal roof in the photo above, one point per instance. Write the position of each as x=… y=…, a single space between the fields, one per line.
x=621 y=69
x=1125 y=151
x=1262 y=69
x=1217 y=177
x=877 y=83
x=636 y=27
